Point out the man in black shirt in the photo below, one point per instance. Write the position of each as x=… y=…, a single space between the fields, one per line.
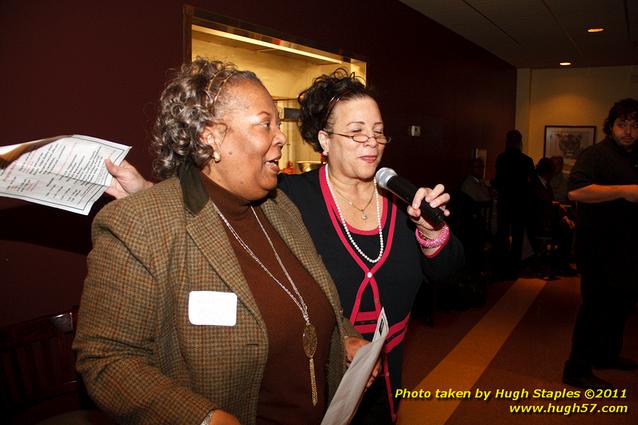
x=604 y=182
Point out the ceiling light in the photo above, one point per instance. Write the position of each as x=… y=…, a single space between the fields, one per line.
x=565 y=63
x=595 y=29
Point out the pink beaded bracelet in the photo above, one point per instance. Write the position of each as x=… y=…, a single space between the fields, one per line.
x=442 y=238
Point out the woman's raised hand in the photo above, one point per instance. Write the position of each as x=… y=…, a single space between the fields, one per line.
x=126 y=180
x=436 y=198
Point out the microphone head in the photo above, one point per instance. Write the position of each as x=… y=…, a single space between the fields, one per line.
x=383 y=175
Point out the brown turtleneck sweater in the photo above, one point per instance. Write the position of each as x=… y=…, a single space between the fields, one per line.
x=285 y=395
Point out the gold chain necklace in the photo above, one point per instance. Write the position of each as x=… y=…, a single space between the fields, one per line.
x=364 y=216
x=309 y=336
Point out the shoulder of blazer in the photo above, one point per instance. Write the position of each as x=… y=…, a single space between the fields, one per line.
x=278 y=197
x=281 y=210
x=286 y=218
x=146 y=218
x=152 y=204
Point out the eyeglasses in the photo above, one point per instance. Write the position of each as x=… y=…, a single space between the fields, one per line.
x=362 y=138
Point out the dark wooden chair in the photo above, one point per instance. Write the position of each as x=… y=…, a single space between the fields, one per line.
x=38 y=380
x=485 y=211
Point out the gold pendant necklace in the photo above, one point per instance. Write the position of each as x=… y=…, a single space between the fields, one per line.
x=309 y=336
x=310 y=347
x=364 y=216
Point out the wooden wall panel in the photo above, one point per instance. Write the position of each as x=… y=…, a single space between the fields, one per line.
x=97 y=68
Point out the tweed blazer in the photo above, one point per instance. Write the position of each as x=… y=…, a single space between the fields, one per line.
x=142 y=360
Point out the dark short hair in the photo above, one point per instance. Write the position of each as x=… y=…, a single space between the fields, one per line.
x=190 y=101
x=625 y=108
x=318 y=102
x=513 y=139
x=545 y=166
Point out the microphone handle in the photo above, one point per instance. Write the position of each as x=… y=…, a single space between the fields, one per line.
x=406 y=191
x=434 y=216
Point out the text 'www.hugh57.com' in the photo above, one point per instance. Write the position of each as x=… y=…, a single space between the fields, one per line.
x=559 y=402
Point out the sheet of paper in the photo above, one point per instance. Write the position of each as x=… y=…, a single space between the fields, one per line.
x=64 y=172
x=348 y=394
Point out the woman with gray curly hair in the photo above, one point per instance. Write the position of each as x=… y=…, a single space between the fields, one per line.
x=205 y=300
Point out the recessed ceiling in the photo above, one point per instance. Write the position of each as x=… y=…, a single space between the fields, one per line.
x=542 y=33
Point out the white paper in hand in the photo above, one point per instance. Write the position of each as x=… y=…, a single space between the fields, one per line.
x=350 y=390
x=66 y=172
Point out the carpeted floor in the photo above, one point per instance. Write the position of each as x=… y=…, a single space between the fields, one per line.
x=516 y=344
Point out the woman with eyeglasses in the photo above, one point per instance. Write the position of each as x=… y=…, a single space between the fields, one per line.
x=377 y=251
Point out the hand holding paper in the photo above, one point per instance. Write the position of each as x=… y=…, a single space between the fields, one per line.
x=348 y=394
x=126 y=180
x=352 y=346
x=66 y=172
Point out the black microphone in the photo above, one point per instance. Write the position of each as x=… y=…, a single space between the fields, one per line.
x=388 y=179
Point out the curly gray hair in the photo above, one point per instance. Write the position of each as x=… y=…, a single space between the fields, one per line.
x=190 y=102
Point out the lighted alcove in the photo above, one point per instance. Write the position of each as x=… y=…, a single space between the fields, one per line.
x=284 y=65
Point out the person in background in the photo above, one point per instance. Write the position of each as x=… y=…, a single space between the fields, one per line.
x=563 y=207
x=474 y=184
x=559 y=180
x=473 y=217
x=514 y=172
x=377 y=251
x=541 y=219
x=604 y=183
x=548 y=219
x=206 y=301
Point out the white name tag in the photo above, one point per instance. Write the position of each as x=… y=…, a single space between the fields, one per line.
x=212 y=308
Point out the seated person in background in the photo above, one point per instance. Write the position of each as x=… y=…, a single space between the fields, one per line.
x=470 y=228
x=549 y=219
x=474 y=184
x=206 y=301
x=471 y=221
x=559 y=180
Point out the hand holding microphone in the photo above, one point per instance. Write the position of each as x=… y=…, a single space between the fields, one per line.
x=388 y=179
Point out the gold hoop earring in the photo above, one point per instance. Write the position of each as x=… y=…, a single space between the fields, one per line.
x=217 y=156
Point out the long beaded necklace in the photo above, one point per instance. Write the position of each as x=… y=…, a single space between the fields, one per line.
x=364 y=216
x=309 y=336
x=345 y=226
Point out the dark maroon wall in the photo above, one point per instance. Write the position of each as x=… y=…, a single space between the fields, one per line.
x=96 y=68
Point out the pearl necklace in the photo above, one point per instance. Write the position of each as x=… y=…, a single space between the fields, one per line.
x=345 y=225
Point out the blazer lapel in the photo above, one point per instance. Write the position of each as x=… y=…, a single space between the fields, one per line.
x=208 y=232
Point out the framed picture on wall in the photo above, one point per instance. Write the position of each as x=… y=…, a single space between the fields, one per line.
x=568 y=141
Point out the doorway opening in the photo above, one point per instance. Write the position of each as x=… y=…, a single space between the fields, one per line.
x=285 y=65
